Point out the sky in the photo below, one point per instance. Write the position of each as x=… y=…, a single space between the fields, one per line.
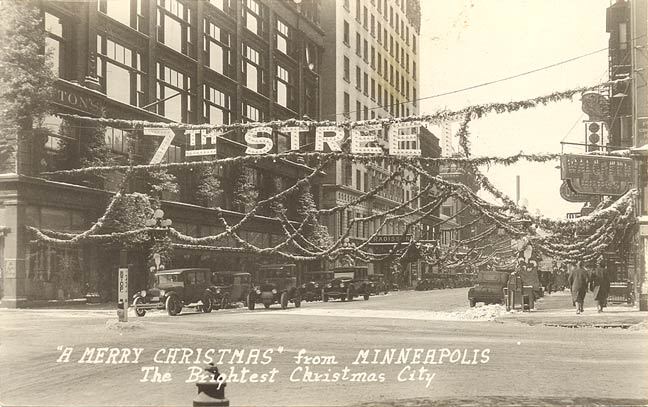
x=468 y=42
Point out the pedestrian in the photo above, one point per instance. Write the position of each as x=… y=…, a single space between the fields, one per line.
x=578 y=280
x=600 y=285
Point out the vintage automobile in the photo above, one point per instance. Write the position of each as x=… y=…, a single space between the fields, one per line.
x=175 y=289
x=312 y=284
x=621 y=292
x=229 y=287
x=275 y=284
x=379 y=284
x=349 y=282
x=489 y=288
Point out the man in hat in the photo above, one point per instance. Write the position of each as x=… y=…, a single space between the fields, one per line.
x=600 y=285
x=577 y=281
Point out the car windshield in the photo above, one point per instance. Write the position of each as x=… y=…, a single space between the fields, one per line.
x=221 y=279
x=169 y=278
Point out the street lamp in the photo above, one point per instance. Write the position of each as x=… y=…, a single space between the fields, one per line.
x=158 y=222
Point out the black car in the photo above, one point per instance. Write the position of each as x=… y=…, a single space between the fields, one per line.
x=175 y=289
x=275 y=284
x=312 y=284
x=349 y=282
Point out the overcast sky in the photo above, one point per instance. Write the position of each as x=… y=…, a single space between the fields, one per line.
x=466 y=42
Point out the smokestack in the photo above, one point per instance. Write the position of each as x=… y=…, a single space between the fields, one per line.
x=517 y=189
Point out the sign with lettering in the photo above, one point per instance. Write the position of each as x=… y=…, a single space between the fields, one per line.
x=391 y=239
x=569 y=195
x=642 y=131
x=597 y=175
x=69 y=95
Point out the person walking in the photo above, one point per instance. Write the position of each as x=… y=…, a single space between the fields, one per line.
x=600 y=285
x=577 y=281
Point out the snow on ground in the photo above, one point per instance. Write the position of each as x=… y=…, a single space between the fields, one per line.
x=483 y=313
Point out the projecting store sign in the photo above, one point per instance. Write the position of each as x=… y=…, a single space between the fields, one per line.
x=596 y=175
x=391 y=239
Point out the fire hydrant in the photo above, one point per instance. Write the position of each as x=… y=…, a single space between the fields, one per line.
x=211 y=393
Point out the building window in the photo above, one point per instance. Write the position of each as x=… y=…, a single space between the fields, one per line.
x=414 y=96
x=366 y=182
x=379 y=30
x=347 y=105
x=283 y=37
x=55 y=43
x=414 y=70
x=254 y=17
x=283 y=95
x=347 y=69
x=223 y=5
x=174 y=86
x=116 y=140
x=379 y=95
x=174 y=26
x=365 y=18
x=407 y=63
x=373 y=89
x=216 y=106
x=358 y=44
x=358 y=10
x=120 y=72
x=217 y=48
x=358 y=111
x=251 y=113
x=366 y=84
x=348 y=174
x=365 y=54
x=373 y=26
x=252 y=69
x=373 y=57
x=379 y=64
x=414 y=43
x=119 y=11
x=358 y=184
x=365 y=111
x=345 y=37
x=358 y=78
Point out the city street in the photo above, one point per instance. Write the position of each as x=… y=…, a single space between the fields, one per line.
x=499 y=355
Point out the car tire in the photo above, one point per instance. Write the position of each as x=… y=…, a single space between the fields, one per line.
x=298 y=301
x=472 y=302
x=250 y=302
x=208 y=303
x=284 y=300
x=173 y=305
x=349 y=294
x=325 y=296
x=366 y=297
x=224 y=303
x=139 y=312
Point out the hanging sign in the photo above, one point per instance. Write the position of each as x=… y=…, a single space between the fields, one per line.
x=596 y=175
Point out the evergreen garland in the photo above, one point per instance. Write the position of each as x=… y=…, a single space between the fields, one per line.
x=314 y=232
x=244 y=193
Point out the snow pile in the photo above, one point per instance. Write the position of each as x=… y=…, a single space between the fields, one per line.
x=564 y=293
x=484 y=313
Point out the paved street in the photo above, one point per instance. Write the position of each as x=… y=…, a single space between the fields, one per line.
x=524 y=362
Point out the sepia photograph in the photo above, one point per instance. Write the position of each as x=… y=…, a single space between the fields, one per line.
x=349 y=203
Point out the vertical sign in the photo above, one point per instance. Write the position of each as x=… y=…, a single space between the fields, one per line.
x=122 y=295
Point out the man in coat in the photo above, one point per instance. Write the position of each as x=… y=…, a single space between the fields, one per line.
x=600 y=285
x=578 y=280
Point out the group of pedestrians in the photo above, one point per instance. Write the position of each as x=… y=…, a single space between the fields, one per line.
x=580 y=280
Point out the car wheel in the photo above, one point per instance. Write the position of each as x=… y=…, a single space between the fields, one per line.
x=366 y=297
x=284 y=300
x=349 y=294
x=297 y=302
x=173 y=305
x=250 y=302
x=325 y=296
x=472 y=302
x=225 y=302
x=139 y=312
x=207 y=303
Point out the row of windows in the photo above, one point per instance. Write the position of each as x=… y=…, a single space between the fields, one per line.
x=373 y=25
x=362 y=48
x=393 y=105
x=364 y=229
x=373 y=88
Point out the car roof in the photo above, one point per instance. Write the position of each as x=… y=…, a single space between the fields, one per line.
x=178 y=271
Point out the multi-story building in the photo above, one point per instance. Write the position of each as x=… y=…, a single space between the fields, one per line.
x=370 y=68
x=216 y=61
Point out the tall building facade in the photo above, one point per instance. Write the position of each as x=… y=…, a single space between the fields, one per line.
x=370 y=70
x=216 y=61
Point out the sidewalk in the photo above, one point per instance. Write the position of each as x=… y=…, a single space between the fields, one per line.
x=556 y=309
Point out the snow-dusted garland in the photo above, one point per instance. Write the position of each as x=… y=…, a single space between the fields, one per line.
x=607 y=221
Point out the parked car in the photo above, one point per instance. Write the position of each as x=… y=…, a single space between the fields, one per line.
x=175 y=289
x=312 y=284
x=275 y=284
x=229 y=287
x=489 y=288
x=349 y=282
x=379 y=284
